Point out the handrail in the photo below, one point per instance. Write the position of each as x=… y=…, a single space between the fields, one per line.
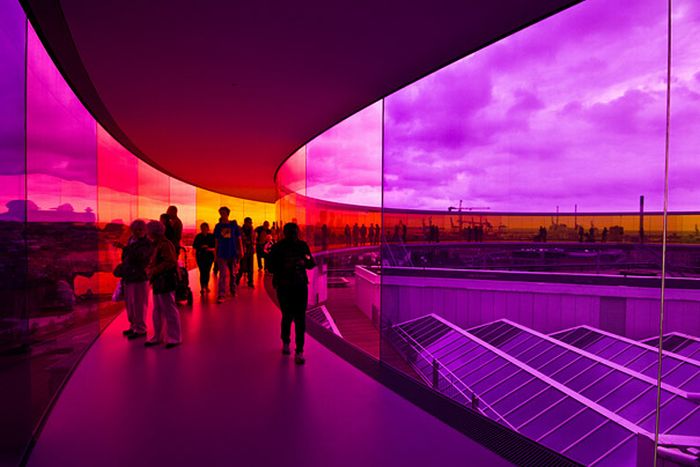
x=440 y=369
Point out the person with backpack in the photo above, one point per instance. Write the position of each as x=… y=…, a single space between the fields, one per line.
x=289 y=260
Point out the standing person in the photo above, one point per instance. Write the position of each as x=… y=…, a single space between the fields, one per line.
x=348 y=235
x=228 y=248
x=175 y=232
x=363 y=234
x=162 y=272
x=136 y=255
x=204 y=246
x=261 y=233
x=248 y=241
x=355 y=234
x=371 y=234
x=289 y=260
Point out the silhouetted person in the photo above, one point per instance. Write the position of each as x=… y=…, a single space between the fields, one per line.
x=591 y=235
x=246 y=262
x=175 y=228
x=162 y=272
x=136 y=255
x=348 y=235
x=581 y=233
x=228 y=250
x=403 y=232
x=604 y=237
x=324 y=237
x=469 y=233
x=205 y=247
x=169 y=230
x=363 y=234
x=289 y=260
x=370 y=233
x=261 y=234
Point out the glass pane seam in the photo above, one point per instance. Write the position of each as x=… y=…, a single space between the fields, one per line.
x=562 y=423
x=586 y=435
x=527 y=400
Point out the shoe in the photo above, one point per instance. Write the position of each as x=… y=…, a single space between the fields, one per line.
x=299 y=358
x=127 y=332
x=136 y=335
x=220 y=300
x=151 y=343
x=251 y=286
x=285 y=349
x=172 y=344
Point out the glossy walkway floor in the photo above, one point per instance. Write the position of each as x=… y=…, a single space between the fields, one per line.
x=228 y=397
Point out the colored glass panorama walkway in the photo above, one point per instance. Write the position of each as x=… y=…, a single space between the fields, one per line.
x=227 y=397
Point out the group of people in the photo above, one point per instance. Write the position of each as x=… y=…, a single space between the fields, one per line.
x=230 y=250
x=359 y=236
x=150 y=258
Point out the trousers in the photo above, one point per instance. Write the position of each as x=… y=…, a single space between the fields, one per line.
x=226 y=267
x=136 y=298
x=293 y=301
x=165 y=312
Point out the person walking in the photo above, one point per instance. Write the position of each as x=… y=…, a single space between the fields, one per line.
x=162 y=272
x=261 y=233
x=289 y=260
x=204 y=246
x=228 y=248
x=246 y=263
x=136 y=255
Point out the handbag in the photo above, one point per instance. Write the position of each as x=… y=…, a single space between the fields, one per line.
x=165 y=282
x=118 y=294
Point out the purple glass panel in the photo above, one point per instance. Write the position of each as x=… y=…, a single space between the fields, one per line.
x=344 y=164
x=61 y=145
x=533 y=407
x=548 y=106
x=551 y=418
x=604 y=438
x=573 y=430
x=15 y=370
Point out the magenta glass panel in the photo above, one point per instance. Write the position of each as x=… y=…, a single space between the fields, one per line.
x=61 y=145
x=344 y=163
x=154 y=192
x=117 y=176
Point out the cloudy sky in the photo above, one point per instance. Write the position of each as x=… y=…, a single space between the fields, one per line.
x=569 y=111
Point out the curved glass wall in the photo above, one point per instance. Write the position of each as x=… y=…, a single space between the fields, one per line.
x=68 y=192
x=509 y=253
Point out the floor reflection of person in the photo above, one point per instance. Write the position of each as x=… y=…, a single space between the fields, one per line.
x=204 y=246
x=162 y=271
x=136 y=255
x=289 y=260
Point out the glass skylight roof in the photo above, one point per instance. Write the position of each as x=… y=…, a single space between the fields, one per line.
x=479 y=375
x=677 y=371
